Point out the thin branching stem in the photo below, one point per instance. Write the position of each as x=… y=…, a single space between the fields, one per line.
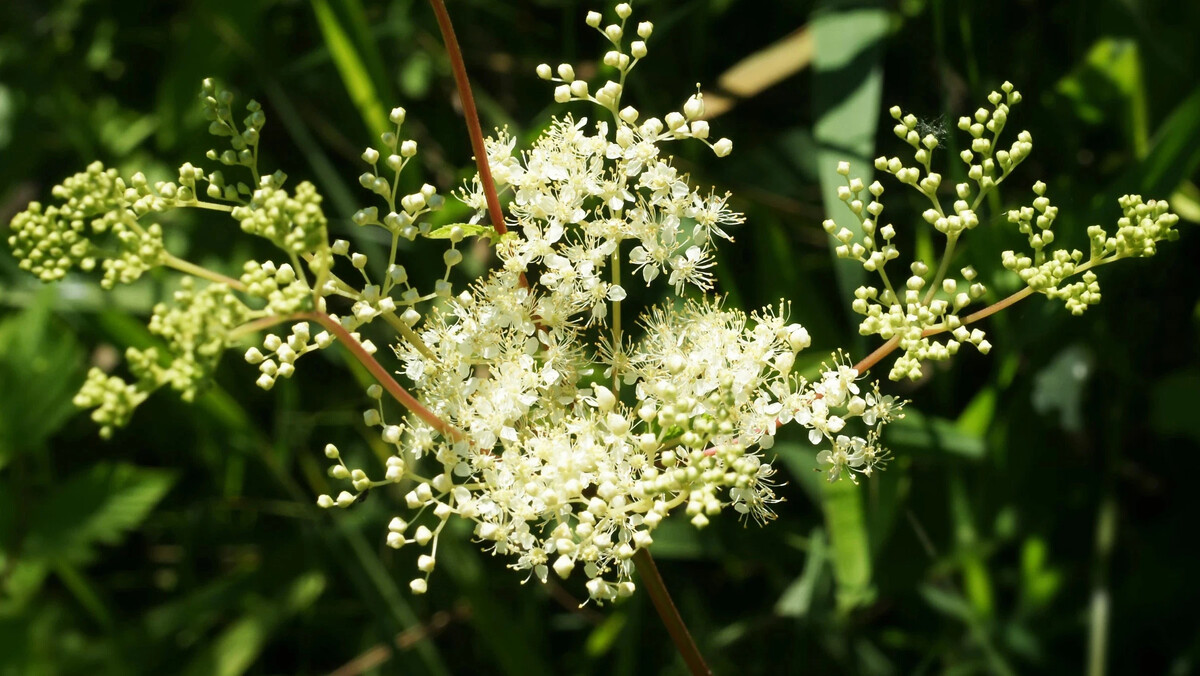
x=190 y=268
x=887 y=348
x=381 y=374
x=360 y=353
x=650 y=577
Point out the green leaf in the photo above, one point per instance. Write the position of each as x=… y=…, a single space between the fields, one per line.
x=1173 y=158
x=918 y=432
x=96 y=506
x=469 y=230
x=352 y=67
x=39 y=374
x=847 y=94
x=847 y=523
x=237 y=647
x=1060 y=386
x=845 y=519
x=1108 y=78
x=947 y=602
x=603 y=637
x=796 y=600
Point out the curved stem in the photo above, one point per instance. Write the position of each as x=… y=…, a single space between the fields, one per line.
x=381 y=374
x=365 y=358
x=469 y=112
x=995 y=307
x=657 y=589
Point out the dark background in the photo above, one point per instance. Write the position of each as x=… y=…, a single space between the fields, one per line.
x=1038 y=509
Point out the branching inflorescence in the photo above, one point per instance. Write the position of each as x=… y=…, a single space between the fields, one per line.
x=909 y=312
x=532 y=412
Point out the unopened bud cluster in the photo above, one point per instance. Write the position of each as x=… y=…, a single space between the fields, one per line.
x=928 y=300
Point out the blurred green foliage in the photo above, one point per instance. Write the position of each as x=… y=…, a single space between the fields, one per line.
x=1035 y=519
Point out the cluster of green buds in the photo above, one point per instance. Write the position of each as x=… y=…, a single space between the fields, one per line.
x=931 y=301
x=685 y=123
x=195 y=328
x=95 y=219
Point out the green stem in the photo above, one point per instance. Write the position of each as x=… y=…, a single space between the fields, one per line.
x=951 y=240
x=411 y=336
x=207 y=205
x=201 y=272
x=616 y=322
x=657 y=589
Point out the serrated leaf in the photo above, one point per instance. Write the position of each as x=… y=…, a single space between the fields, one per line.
x=96 y=506
x=39 y=374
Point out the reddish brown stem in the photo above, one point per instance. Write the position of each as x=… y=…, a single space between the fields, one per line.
x=879 y=353
x=380 y=374
x=469 y=112
x=657 y=589
x=888 y=347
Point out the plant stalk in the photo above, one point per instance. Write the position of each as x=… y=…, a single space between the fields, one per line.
x=190 y=268
x=470 y=113
x=381 y=374
x=888 y=347
x=657 y=589
x=365 y=358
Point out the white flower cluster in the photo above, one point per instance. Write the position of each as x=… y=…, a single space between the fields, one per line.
x=576 y=442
